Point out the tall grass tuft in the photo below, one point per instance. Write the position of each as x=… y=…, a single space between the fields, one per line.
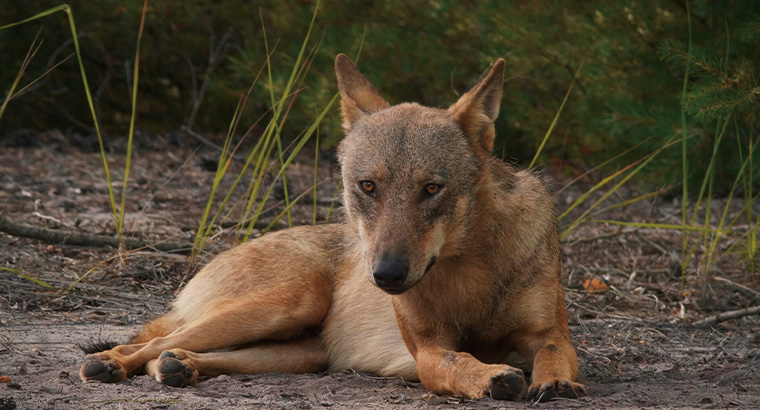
x=259 y=161
x=128 y=163
x=117 y=211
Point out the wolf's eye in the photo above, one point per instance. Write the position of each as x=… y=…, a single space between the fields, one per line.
x=432 y=189
x=367 y=186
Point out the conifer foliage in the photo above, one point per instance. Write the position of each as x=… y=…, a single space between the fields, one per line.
x=199 y=57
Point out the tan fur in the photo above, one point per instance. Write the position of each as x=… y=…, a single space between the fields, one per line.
x=159 y=327
x=446 y=266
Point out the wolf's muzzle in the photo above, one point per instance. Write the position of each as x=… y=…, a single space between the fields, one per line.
x=390 y=274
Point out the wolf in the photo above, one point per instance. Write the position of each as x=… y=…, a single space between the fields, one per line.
x=447 y=263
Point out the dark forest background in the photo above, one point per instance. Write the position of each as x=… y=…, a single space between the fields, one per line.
x=631 y=57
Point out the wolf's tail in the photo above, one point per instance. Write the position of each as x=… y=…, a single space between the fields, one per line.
x=97 y=346
x=159 y=327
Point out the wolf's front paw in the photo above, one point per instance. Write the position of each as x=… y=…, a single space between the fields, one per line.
x=101 y=369
x=556 y=388
x=507 y=385
x=174 y=370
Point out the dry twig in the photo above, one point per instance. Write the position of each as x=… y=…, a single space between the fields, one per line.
x=84 y=239
x=733 y=314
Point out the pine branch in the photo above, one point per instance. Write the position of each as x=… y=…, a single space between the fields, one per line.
x=749 y=31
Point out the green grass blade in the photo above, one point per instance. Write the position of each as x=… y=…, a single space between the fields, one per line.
x=556 y=117
x=221 y=167
x=684 y=158
x=602 y=165
x=128 y=163
x=719 y=232
x=41 y=76
x=709 y=172
x=332 y=203
x=293 y=77
x=283 y=213
x=293 y=154
x=672 y=227
x=72 y=26
x=227 y=159
x=206 y=227
x=27 y=277
x=316 y=167
x=612 y=190
x=606 y=180
x=24 y=65
x=271 y=138
x=633 y=200
x=277 y=131
x=62 y=7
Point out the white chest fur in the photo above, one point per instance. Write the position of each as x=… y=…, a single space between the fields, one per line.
x=361 y=333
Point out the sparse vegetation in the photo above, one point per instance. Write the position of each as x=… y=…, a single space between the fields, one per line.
x=645 y=115
x=622 y=62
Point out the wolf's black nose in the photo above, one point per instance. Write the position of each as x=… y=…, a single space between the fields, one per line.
x=390 y=273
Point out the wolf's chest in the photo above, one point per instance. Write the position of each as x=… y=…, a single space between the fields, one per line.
x=361 y=333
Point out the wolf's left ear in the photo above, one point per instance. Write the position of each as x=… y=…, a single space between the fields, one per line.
x=357 y=95
x=478 y=108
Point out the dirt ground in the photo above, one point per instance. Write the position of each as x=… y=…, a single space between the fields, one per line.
x=636 y=342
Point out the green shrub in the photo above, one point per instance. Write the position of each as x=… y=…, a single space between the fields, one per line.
x=424 y=50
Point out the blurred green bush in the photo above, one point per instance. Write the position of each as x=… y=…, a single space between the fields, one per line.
x=429 y=51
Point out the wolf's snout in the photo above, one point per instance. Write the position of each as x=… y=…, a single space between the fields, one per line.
x=390 y=273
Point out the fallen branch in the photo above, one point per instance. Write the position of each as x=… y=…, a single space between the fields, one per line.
x=734 y=314
x=84 y=239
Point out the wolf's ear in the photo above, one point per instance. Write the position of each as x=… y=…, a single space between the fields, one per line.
x=478 y=108
x=357 y=96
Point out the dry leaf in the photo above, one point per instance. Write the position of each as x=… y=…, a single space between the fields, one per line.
x=594 y=285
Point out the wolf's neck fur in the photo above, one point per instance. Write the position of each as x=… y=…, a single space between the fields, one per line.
x=475 y=271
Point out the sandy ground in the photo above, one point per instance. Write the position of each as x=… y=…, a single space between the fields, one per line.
x=636 y=344
x=625 y=364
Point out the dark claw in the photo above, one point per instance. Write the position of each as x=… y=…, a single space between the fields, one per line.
x=557 y=388
x=167 y=353
x=582 y=390
x=568 y=391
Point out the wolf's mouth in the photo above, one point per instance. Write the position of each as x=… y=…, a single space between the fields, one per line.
x=430 y=264
x=407 y=286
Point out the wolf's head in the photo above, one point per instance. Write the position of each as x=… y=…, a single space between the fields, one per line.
x=409 y=173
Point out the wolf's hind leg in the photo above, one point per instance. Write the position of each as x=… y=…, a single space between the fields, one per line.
x=179 y=367
x=261 y=317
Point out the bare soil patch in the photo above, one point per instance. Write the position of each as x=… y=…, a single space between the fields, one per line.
x=636 y=344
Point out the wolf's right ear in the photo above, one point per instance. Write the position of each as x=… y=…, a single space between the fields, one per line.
x=357 y=95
